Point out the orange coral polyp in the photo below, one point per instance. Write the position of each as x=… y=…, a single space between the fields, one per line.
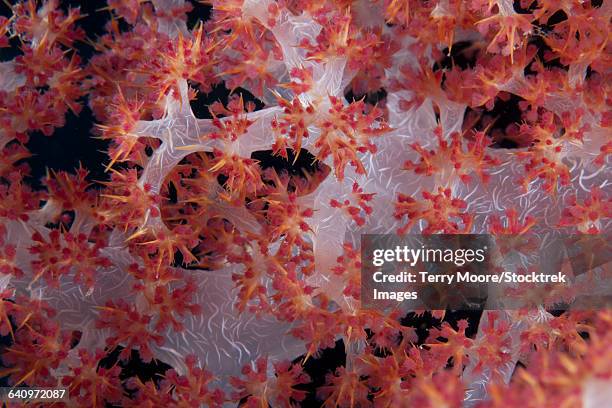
x=459 y=157
x=438 y=210
x=587 y=217
x=545 y=161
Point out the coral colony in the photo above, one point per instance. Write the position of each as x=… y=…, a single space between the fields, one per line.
x=197 y=251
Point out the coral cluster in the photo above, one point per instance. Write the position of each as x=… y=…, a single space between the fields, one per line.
x=196 y=252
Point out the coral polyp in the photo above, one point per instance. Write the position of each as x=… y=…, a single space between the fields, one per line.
x=244 y=147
